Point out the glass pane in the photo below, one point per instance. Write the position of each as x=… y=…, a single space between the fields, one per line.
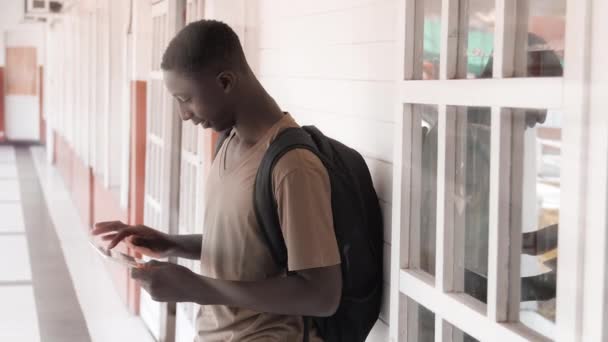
x=431 y=39
x=471 y=199
x=460 y=336
x=546 y=33
x=424 y=188
x=536 y=199
x=421 y=323
x=476 y=39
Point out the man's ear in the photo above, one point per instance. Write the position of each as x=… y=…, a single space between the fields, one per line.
x=227 y=80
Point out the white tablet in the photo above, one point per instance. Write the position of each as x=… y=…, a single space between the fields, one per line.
x=117 y=256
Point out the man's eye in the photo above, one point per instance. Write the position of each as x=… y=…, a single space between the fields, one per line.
x=183 y=99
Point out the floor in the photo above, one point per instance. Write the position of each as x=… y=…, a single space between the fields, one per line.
x=53 y=286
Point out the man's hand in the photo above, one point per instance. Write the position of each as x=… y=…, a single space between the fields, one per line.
x=142 y=239
x=167 y=282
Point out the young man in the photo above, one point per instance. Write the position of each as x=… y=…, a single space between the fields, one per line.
x=244 y=295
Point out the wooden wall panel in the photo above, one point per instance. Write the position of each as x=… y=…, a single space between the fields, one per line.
x=41 y=101
x=2 y=125
x=137 y=174
x=138 y=152
x=21 y=71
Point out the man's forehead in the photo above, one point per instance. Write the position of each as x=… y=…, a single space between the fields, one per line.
x=173 y=77
x=177 y=82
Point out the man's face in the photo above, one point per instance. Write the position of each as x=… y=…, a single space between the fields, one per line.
x=204 y=101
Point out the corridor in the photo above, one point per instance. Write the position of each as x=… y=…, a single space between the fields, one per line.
x=53 y=286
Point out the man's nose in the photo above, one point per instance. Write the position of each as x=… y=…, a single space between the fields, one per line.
x=186 y=115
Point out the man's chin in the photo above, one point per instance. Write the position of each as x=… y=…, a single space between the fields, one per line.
x=214 y=128
x=219 y=128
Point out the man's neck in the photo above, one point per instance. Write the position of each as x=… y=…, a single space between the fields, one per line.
x=260 y=113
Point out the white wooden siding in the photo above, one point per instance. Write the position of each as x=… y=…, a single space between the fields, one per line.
x=331 y=63
x=362 y=99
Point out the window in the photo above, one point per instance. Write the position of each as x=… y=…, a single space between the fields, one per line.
x=476 y=38
x=471 y=200
x=431 y=42
x=535 y=203
x=424 y=188
x=421 y=322
x=544 y=44
x=458 y=335
x=478 y=165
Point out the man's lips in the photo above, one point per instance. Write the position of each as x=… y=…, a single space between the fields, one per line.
x=204 y=123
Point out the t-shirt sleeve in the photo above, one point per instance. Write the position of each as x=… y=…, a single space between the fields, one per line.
x=303 y=194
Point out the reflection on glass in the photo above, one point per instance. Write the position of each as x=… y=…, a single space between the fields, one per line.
x=546 y=33
x=540 y=51
x=421 y=323
x=425 y=160
x=432 y=39
x=471 y=199
x=460 y=336
x=537 y=139
x=476 y=41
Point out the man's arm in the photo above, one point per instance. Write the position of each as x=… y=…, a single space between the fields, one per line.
x=311 y=292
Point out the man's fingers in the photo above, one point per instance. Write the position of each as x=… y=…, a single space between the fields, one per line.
x=137 y=273
x=105 y=224
x=141 y=273
x=106 y=227
x=138 y=241
x=120 y=236
x=109 y=237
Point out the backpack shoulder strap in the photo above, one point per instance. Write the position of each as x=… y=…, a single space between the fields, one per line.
x=220 y=141
x=265 y=204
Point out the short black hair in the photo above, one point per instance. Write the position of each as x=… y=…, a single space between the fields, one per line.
x=203 y=45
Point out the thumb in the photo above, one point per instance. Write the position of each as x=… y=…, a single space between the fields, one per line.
x=153 y=263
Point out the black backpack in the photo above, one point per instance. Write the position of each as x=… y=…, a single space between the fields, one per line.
x=357 y=223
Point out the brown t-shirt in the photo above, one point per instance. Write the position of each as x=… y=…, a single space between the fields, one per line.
x=234 y=247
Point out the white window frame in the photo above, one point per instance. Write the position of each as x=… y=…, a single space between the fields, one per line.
x=161 y=198
x=117 y=136
x=92 y=86
x=595 y=319
x=191 y=192
x=101 y=85
x=496 y=321
x=125 y=134
x=84 y=98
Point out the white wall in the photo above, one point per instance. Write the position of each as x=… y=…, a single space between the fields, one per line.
x=141 y=41
x=11 y=19
x=331 y=63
